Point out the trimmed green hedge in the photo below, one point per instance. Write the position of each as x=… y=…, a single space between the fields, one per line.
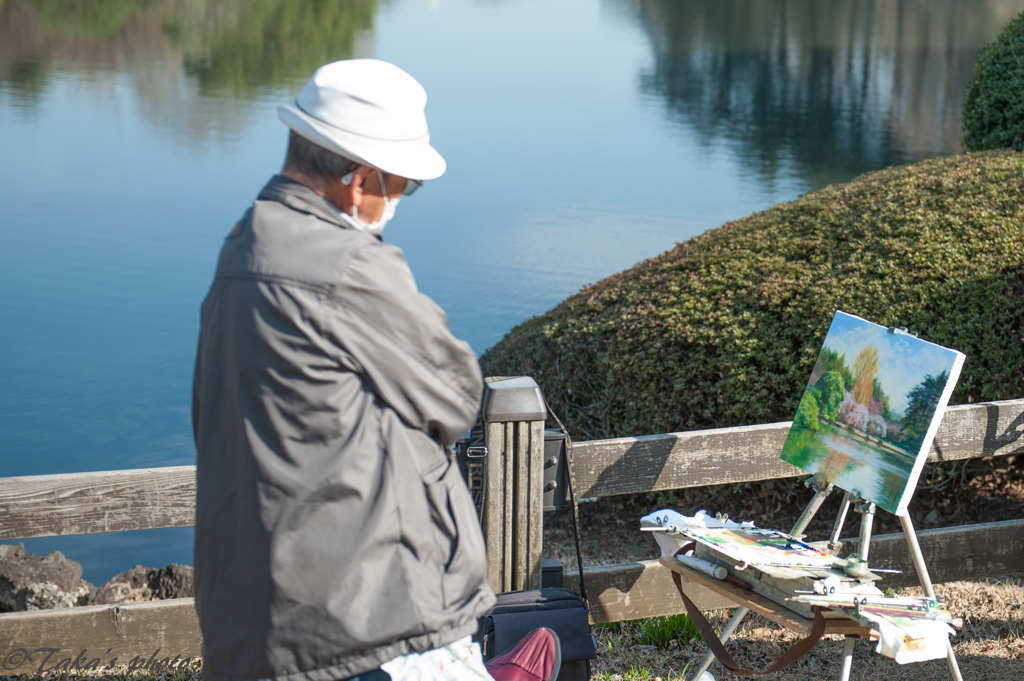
x=994 y=104
x=724 y=328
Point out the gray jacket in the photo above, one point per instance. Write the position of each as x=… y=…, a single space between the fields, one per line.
x=333 y=532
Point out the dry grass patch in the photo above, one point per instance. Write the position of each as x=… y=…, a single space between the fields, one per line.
x=193 y=671
x=990 y=647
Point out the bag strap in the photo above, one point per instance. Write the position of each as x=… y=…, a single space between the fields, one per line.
x=575 y=504
x=707 y=632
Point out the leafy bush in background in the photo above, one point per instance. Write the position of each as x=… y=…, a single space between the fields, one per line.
x=724 y=328
x=994 y=104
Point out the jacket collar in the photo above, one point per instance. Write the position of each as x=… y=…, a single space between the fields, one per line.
x=301 y=198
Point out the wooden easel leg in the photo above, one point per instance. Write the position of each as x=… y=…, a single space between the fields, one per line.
x=730 y=629
x=847 y=658
x=926 y=584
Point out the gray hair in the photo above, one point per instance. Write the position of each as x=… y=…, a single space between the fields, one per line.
x=312 y=159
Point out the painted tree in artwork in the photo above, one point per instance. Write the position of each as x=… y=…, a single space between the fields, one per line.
x=832 y=388
x=807 y=412
x=830 y=360
x=864 y=369
x=922 y=401
x=882 y=400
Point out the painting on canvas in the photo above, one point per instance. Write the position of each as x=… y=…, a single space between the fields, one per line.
x=870 y=410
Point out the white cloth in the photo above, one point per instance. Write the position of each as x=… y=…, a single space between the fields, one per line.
x=668 y=519
x=458 y=661
x=909 y=640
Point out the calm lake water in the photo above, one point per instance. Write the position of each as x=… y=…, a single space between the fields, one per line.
x=582 y=136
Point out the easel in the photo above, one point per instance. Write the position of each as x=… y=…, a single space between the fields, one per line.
x=856 y=567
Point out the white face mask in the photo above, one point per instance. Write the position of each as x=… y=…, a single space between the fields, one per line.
x=374 y=228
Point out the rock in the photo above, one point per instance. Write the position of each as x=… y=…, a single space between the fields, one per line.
x=31 y=582
x=85 y=594
x=146 y=584
x=28 y=581
x=44 y=596
x=175 y=581
x=931 y=518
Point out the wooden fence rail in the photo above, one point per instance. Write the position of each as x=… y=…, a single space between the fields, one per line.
x=86 y=503
x=112 y=501
x=651 y=463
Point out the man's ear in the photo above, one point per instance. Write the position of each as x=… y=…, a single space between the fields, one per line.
x=355 y=188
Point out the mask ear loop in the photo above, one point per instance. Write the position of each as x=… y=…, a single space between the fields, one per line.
x=346 y=180
x=383 y=189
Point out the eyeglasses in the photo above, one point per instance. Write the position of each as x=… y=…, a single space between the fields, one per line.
x=411 y=187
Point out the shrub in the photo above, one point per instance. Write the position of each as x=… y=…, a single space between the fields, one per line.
x=724 y=328
x=994 y=103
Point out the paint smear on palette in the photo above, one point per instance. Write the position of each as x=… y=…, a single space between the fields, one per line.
x=761 y=547
x=871 y=409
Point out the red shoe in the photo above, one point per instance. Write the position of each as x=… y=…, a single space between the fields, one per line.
x=537 y=657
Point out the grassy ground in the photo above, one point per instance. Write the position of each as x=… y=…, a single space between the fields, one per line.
x=990 y=646
x=194 y=672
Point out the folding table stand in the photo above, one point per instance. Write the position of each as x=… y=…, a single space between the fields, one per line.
x=835 y=621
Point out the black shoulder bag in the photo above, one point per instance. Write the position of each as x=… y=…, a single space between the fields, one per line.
x=517 y=613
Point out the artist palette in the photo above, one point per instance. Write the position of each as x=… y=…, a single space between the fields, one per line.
x=747 y=556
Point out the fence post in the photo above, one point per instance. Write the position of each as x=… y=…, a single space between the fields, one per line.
x=513 y=416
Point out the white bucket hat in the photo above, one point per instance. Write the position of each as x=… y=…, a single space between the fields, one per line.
x=369 y=111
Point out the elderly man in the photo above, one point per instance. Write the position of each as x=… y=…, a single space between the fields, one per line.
x=334 y=534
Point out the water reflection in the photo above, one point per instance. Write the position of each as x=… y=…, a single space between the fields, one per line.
x=819 y=91
x=188 y=60
x=877 y=471
x=831 y=89
x=244 y=47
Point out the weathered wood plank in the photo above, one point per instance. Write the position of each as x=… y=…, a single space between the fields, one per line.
x=142 y=635
x=495 y=520
x=951 y=553
x=112 y=501
x=109 y=501
x=632 y=591
x=534 y=430
x=629 y=591
x=749 y=453
x=521 y=512
x=508 y=461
